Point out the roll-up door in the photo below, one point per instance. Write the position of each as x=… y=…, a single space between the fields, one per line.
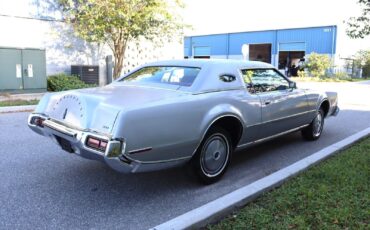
x=292 y=46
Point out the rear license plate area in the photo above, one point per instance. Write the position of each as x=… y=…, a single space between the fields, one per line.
x=65 y=144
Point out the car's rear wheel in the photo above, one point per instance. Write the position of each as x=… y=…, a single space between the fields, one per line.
x=213 y=155
x=314 y=130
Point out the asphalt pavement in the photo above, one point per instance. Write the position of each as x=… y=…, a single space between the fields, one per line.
x=43 y=187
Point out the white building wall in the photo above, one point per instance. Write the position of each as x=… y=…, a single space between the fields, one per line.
x=63 y=49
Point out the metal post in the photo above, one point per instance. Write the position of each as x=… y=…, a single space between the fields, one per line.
x=109 y=65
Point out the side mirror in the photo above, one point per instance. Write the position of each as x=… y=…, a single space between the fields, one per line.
x=292 y=85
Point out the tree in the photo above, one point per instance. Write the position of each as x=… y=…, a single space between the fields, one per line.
x=317 y=64
x=359 y=27
x=362 y=61
x=117 y=22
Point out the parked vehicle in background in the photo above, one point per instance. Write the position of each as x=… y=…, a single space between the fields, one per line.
x=175 y=112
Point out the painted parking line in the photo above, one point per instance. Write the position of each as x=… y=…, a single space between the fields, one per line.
x=224 y=205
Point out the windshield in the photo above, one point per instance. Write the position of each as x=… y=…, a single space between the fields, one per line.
x=174 y=75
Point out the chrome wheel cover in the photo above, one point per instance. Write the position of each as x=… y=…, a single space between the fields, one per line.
x=317 y=124
x=215 y=154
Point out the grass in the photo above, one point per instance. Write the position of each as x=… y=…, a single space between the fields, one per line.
x=18 y=102
x=332 y=195
x=328 y=79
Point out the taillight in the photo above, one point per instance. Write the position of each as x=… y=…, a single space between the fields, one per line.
x=96 y=143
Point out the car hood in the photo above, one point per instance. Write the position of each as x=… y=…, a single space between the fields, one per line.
x=97 y=108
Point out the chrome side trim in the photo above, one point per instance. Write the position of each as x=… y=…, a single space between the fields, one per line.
x=155 y=162
x=282 y=118
x=271 y=137
x=140 y=150
x=218 y=90
x=121 y=83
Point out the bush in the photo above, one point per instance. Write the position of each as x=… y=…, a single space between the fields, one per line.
x=341 y=76
x=362 y=61
x=317 y=64
x=302 y=74
x=61 y=82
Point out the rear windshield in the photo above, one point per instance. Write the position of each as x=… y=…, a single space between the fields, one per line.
x=174 y=75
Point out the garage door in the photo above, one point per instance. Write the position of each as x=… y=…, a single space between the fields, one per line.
x=292 y=46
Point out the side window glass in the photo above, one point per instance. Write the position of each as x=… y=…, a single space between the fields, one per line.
x=277 y=82
x=264 y=80
x=247 y=76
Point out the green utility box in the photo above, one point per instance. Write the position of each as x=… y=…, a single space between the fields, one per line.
x=22 y=69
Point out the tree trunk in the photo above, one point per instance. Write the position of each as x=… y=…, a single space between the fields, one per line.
x=118 y=63
x=119 y=54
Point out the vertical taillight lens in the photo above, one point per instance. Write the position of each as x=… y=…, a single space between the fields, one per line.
x=96 y=143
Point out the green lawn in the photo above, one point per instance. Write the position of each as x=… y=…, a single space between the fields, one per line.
x=332 y=195
x=18 y=102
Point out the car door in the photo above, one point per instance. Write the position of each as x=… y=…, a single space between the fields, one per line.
x=282 y=107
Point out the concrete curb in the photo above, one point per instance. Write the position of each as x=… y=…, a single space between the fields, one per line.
x=216 y=209
x=12 y=109
x=23 y=96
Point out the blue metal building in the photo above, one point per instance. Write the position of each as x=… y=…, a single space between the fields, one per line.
x=282 y=47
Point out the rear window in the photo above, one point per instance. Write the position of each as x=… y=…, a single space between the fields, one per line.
x=174 y=75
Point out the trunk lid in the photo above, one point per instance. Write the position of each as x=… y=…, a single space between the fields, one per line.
x=97 y=108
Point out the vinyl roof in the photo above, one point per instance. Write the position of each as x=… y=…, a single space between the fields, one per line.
x=215 y=63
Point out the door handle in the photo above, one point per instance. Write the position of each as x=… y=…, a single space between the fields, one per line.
x=267 y=102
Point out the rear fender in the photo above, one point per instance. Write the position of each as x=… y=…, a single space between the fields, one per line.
x=216 y=113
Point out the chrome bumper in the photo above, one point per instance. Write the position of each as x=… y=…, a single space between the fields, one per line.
x=113 y=154
x=335 y=111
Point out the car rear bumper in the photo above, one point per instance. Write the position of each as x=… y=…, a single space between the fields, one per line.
x=75 y=141
x=335 y=111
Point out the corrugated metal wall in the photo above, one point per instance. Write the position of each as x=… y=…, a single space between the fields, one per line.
x=312 y=39
x=258 y=37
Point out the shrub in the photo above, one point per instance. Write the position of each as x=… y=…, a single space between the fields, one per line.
x=61 y=82
x=342 y=76
x=302 y=74
x=317 y=64
x=362 y=61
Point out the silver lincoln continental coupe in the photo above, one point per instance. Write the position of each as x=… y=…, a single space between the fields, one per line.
x=169 y=113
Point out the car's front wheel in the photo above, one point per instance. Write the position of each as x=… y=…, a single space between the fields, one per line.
x=213 y=155
x=314 y=130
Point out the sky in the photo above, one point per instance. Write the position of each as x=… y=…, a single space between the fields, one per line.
x=225 y=16
x=217 y=16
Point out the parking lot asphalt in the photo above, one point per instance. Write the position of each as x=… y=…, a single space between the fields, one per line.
x=43 y=187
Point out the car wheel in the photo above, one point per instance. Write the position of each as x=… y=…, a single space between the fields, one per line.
x=314 y=130
x=213 y=155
